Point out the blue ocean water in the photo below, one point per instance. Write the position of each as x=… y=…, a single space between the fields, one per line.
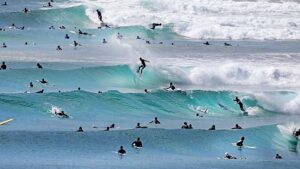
x=261 y=68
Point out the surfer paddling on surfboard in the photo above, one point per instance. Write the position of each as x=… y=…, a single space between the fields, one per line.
x=172 y=87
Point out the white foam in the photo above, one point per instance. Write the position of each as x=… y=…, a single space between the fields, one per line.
x=288 y=103
x=206 y=19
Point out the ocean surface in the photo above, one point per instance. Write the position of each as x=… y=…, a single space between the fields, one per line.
x=261 y=67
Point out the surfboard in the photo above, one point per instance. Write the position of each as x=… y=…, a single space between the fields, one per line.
x=250 y=147
x=5 y=122
x=119 y=153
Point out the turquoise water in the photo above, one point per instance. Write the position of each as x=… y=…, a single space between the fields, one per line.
x=261 y=68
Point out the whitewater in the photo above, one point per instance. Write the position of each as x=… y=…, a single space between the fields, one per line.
x=96 y=84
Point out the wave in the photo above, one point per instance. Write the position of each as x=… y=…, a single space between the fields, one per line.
x=226 y=19
x=182 y=104
x=180 y=142
x=225 y=76
x=206 y=19
x=69 y=17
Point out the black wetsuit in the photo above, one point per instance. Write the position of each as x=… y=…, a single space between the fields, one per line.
x=3 y=66
x=99 y=15
x=137 y=143
x=228 y=156
x=142 y=67
x=240 y=143
x=154 y=25
x=39 y=66
x=122 y=151
x=240 y=104
x=41 y=91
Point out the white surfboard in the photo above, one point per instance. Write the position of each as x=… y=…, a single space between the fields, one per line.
x=250 y=147
x=5 y=122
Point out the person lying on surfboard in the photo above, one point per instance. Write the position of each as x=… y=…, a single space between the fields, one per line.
x=155 y=121
x=83 y=33
x=172 y=87
x=237 y=126
x=228 y=156
x=138 y=125
x=43 y=81
x=61 y=114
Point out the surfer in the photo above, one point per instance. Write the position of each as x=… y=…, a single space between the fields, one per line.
x=119 y=36
x=76 y=43
x=67 y=36
x=4 y=4
x=78 y=88
x=51 y=27
x=83 y=33
x=31 y=85
x=213 y=127
x=172 y=87
x=100 y=19
x=185 y=125
x=237 y=127
x=43 y=81
x=155 y=121
x=112 y=126
x=296 y=133
x=146 y=91
x=138 y=125
x=239 y=102
x=104 y=40
x=142 y=66
x=137 y=144
x=206 y=43
x=228 y=156
x=80 y=129
x=241 y=142
x=4 y=45
x=3 y=66
x=62 y=27
x=48 y=5
x=99 y=15
x=155 y=25
x=138 y=37
x=278 y=157
x=40 y=91
x=25 y=10
x=227 y=44
x=58 y=48
x=107 y=129
x=61 y=114
x=121 y=151
x=39 y=66
x=190 y=126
